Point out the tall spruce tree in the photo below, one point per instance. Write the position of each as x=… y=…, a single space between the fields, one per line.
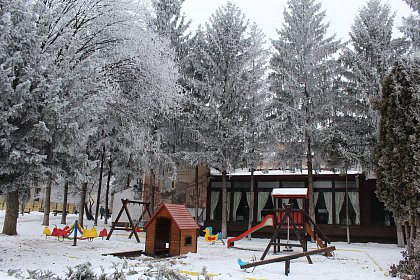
x=397 y=153
x=255 y=108
x=302 y=80
x=62 y=62
x=366 y=61
x=226 y=76
x=171 y=24
x=23 y=84
x=411 y=26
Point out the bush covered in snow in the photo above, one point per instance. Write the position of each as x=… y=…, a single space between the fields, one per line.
x=409 y=266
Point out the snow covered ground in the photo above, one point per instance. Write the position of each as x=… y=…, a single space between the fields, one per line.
x=30 y=250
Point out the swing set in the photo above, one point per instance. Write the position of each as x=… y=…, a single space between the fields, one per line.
x=134 y=228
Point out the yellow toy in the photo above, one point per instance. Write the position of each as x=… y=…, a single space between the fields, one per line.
x=210 y=237
x=90 y=233
x=47 y=231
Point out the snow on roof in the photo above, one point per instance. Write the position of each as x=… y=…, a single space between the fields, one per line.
x=180 y=215
x=290 y=193
x=246 y=172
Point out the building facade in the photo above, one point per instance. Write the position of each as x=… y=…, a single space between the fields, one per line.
x=368 y=219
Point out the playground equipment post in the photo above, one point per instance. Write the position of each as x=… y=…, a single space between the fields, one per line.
x=75 y=228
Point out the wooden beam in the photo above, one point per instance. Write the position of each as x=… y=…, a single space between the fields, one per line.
x=288 y=257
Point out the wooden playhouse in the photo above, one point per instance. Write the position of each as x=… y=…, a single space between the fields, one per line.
x=171 y=231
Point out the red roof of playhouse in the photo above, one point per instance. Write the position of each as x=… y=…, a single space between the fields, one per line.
x=292 y=193
x=179 y=214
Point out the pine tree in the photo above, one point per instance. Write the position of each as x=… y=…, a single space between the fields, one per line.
x=302 y=79
x=366 y=61
x=66 y=62
x=414 y=4
x=227 y=71
x=397 y=153
x=411 y=26
x=23 y=78
x=170 y=24
x=82 y=93
x=149 y=98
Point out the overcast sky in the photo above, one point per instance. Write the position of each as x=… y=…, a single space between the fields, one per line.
x=268 y=14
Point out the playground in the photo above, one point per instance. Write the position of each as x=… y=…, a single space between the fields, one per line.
x=32 y=250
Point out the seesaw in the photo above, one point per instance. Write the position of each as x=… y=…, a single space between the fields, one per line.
x=286 y=259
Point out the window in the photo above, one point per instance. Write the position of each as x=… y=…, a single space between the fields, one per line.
x=351 y=213
x=242 y=185
x=321 y=210
x=268 y=185
x=322 y=184
x=217 y=214
x=242 y=212
x=342 y=184
x=293 y=184
x=218 y=185
x=188 y=241
x=266 y=210
x=380 y=216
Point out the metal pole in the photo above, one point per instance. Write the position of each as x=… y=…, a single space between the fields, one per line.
x=75 y=229
x=347 y=211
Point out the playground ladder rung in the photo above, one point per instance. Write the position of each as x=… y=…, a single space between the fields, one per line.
x=292 y=227
x=285 y=244
x=122 y=228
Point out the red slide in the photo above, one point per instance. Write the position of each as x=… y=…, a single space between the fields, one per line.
x=268 y=221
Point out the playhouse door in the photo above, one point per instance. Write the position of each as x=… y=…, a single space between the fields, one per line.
x=162 y=237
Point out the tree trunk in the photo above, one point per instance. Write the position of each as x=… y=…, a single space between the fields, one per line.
x=347 y=210
x=12 y=213
x=412 y=228
x=196 y=192
x=46 y=221
x=66 y=193
x=251 y=204
x=410 y=231
x=98 y=197
x=310 y=178
x=224 y=205
x=406 y=232
x=416 y=245
x=82 y=203
x=152 y=191
x=107 y=192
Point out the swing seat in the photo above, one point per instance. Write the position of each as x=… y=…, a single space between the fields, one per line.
x=242 y=263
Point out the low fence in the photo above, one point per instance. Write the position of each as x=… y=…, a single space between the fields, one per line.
x=33 y=205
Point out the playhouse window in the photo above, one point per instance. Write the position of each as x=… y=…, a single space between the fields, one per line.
x=188 y=241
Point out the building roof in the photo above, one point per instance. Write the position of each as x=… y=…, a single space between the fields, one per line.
x=179 y=214
x=290 y=193
x=246 y=172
